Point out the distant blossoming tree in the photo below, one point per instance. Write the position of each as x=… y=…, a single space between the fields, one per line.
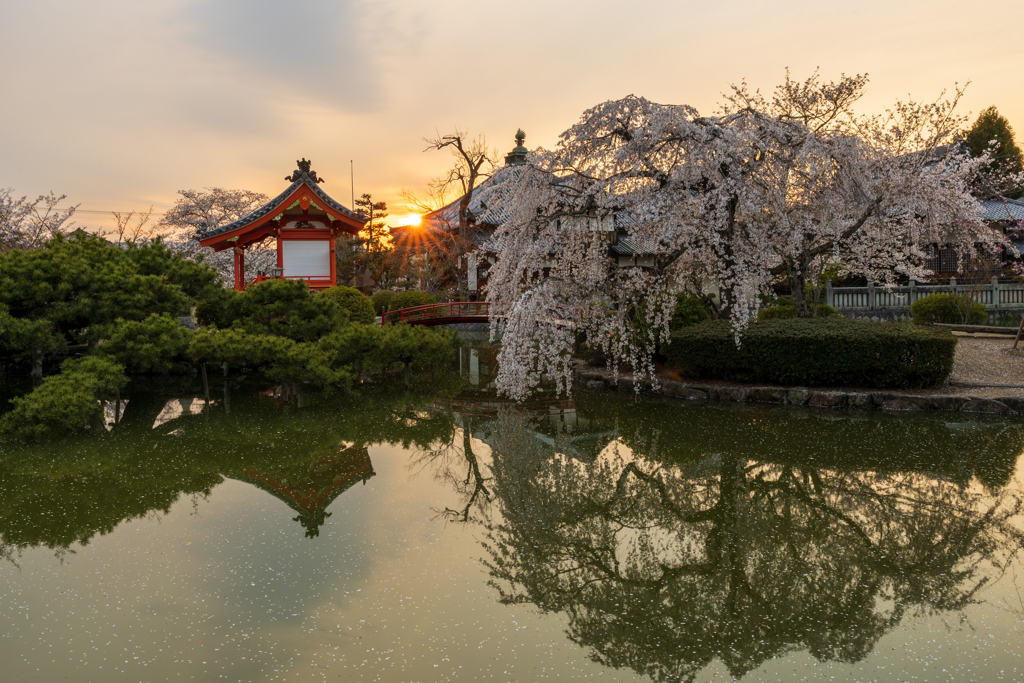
x=27 y=224
x=199 y=211
x=771 y=187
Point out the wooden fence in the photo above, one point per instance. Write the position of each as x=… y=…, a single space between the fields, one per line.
x=877 y=298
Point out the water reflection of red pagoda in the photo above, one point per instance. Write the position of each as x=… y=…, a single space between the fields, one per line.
x=312 y=493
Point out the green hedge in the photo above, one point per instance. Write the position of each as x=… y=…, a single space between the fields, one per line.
x=382 y=300
x=953 y=309
x=409 y=299
x=815 y=352
x=690 y=310
x=358 y=305
x=785 y=310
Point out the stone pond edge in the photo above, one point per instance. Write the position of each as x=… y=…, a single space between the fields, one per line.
x=803 y=396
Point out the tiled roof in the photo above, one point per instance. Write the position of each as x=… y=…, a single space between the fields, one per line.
x=1002 y=210
x=633 y=246
x=275 y=204
x=488 y=205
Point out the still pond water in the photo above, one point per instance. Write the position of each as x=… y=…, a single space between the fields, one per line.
x=441 y=536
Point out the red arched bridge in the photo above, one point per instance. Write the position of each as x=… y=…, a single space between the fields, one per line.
x=441 y=314
x=458 y=312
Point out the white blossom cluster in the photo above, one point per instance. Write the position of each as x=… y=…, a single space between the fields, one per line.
x=199 y=211
x=769 y=188
x=28 y=223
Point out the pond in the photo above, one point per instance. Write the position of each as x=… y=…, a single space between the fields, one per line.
x=444 y=535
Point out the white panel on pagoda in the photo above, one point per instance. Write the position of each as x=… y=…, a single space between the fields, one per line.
x=306 y=258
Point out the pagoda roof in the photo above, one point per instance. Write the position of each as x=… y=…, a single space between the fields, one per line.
x=303 y=180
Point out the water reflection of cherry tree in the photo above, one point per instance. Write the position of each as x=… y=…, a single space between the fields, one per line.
x=454 y=461
x=663 y=567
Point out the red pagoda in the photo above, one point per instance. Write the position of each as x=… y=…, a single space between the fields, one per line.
x=305 y=222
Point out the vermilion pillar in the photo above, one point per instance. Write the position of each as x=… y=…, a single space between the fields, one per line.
x=239 y=268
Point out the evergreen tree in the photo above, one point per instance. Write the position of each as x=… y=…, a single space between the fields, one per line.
x=991 y=125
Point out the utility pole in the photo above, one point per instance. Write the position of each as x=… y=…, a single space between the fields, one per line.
x=352 y=176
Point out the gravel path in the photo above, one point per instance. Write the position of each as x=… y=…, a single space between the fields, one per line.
x=984 y=358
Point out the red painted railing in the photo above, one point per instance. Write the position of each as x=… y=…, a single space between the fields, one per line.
x=440 y=314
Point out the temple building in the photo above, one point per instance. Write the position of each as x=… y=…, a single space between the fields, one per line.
x=304 y=221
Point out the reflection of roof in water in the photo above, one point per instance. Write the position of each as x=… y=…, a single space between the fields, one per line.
x=328 y=478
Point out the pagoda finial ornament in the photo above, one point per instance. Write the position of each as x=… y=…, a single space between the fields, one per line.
x=304 y=172
x=517 y=156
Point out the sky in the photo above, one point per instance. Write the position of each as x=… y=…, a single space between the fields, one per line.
x=119 y=104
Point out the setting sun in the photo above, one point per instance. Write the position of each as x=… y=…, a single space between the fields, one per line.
x=412 y=219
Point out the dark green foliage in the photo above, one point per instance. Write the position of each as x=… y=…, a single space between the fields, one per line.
x=414 y=346
x=815 y=352
x=953 y=309
x=355 y=345
x=690 y=310
x=382 y=300
x=421 y=346
x=411 y=298
x=64 y=402
x=991 y=125
x=26 y=334
x=68 y=291
x=155 y=344
x=281 y=359
x=277 y=307
x=360 y=308
x=784 y=310
x=197 y=280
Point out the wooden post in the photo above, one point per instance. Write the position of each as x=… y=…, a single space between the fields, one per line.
x=1019 y=328
x=871 y=296
x=912 y=295
x=829 y=296
x=995 y=292
x=37 y=366
x=206 y=386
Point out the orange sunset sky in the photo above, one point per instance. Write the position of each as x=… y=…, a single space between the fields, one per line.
x=119 y=104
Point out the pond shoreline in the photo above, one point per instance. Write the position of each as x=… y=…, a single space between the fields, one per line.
x=734 y=392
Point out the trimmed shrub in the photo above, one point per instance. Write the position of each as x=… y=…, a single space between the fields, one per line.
x=411 y=298
x=65 y=402
x=952 y=309
x=815 y=352
x=382 y=300
x=785 y=310
x=690 y=310
x=360 y=308
x=151 y=345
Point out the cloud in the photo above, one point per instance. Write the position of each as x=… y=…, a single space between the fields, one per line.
x=314 y=49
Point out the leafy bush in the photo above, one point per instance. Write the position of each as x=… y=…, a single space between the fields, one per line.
x=415 y=345
x=281 y=359
x=953 y=309
x=382 y=300
x=411 y=298
x=151 y=345
x=815 y=352
x=360 y=308
x=690 y=310
x=64 y=402
x=276 y=307
x=784 y=310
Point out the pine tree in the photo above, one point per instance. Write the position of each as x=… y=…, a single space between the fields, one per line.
x=991 y=125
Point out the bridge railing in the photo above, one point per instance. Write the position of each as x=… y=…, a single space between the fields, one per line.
x=474 y=310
